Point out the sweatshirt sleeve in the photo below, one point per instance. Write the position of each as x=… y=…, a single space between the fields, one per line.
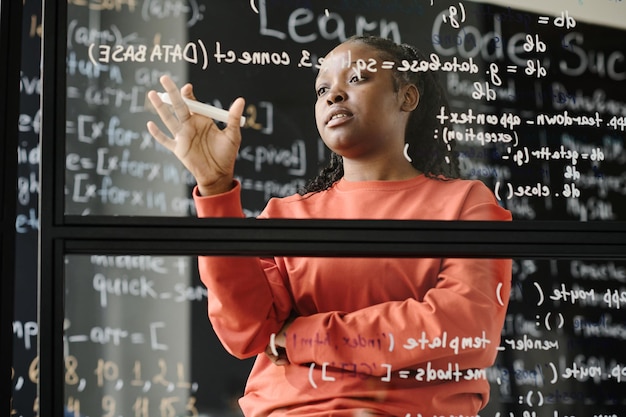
x=458 y=322
x=247 y=299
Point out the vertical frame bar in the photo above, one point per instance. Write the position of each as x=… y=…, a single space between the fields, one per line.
x=10 y=52
x=51 y=174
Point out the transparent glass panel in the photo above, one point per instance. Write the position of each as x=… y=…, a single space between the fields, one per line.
x=535 y=90
x=138 y=343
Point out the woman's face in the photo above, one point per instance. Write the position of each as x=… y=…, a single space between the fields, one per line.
x=358 y=113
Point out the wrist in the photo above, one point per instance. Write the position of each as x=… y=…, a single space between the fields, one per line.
x=218 y=187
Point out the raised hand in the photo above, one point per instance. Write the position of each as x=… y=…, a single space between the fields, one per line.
x=207 y=151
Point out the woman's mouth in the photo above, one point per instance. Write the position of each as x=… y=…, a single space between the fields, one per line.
x=338 y=117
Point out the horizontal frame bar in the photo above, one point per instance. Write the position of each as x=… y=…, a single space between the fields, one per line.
x=346 y=238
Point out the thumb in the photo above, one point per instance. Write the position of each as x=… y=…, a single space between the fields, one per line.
x=235 y=112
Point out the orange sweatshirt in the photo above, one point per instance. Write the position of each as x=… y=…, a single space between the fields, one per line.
x=393 y=337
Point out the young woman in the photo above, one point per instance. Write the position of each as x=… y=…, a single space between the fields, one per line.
x=353 y=337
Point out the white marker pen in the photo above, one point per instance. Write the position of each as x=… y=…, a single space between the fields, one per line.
x=204 y=109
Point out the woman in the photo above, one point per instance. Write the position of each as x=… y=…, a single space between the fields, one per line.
x=351 y=337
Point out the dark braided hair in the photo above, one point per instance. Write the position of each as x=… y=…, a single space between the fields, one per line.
x=427 y=153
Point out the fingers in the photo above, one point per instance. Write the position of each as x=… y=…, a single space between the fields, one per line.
x=278 y=360
x=161 y=137
x=176 y=115
x=187 y=91
x=171 y=121
x=163 y=113
x=180 y=108
x=175 y=119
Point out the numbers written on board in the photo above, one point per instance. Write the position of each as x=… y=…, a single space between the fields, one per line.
x=164 y=389
x=141 y=407
x=109 y=372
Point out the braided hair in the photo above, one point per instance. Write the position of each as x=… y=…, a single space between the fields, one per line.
x=431 y=156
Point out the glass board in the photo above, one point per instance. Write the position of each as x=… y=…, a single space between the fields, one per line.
x=537 y=109
x=138 y=342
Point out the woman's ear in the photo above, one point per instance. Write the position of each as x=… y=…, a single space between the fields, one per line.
x=411 y=97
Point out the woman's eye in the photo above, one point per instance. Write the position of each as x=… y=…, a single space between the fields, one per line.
x=356 y=78
x=320 y=91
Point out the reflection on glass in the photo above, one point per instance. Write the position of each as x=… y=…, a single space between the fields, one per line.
x=138 y=342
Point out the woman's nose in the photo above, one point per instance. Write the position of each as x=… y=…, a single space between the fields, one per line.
x=336 y=95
